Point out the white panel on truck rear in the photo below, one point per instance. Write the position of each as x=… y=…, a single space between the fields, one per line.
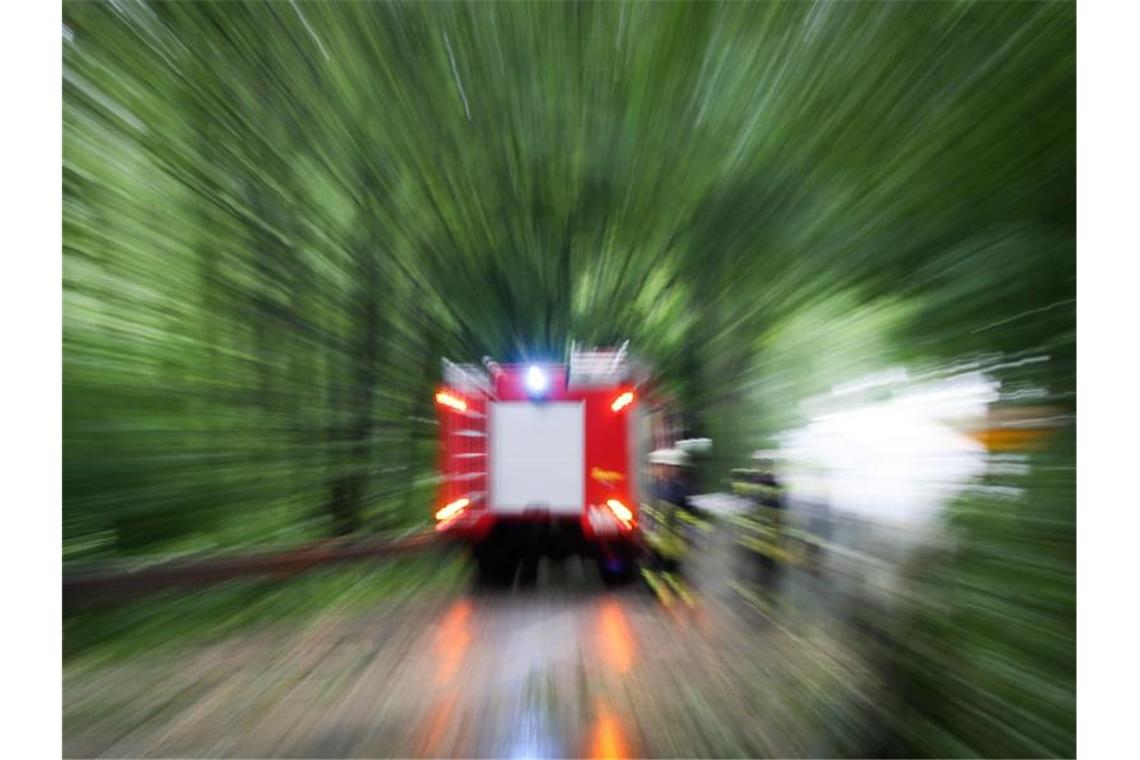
x=538 y=456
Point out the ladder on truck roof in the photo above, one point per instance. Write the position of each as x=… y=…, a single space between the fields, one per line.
x=467 y=378
x=586 y=368
x=599 y=366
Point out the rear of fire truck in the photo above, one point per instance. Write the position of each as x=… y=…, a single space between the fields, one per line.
x=541 y=459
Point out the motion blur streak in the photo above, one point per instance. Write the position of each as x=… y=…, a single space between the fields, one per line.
x=452 y=509
x=622 y=401
x=617 y=645
x=620 y=510
x=834 y=245
x=438 y=721
x=452 y=640
x=607 y=740
x=454 y=402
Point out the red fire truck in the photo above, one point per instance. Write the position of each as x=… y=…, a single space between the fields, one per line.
x=542 y=459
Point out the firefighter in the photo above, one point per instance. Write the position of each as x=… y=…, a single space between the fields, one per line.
x=667 y=525
x=760 y=533
x=664 y=528
x=770 y=514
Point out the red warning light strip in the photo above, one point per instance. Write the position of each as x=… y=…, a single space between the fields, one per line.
x=446 y=399
x=622 y=401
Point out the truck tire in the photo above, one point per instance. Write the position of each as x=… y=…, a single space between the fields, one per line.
x=617 y=571
x=496 y=569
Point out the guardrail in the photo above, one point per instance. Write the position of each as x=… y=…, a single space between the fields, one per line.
x=108 y=583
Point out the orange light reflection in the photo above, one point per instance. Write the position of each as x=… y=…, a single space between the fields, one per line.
x=607 y=740
x=452 y=640
x=615 y=638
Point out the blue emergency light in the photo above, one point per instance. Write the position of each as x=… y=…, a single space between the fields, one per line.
x=536 y=381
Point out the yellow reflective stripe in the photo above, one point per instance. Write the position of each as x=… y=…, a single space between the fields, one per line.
x=679 y=587
x=768 y=550
x=660 y=590
x=805 y=536
x=694 y=521
x=669 y=546
x=743 y=522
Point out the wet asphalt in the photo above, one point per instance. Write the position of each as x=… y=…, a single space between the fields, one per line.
x=561 y=666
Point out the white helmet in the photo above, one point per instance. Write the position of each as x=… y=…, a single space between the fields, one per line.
x=673 y=457
x=695 y=445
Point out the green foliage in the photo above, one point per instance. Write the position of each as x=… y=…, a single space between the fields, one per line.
x=160 y=624
x=278 y=216
x=984 y=659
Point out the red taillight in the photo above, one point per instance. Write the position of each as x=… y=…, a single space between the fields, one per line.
x=621 y=511
x=454 y=402
x=622 y=401
x=451 y=510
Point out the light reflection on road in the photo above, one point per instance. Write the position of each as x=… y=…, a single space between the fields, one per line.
x=452 y=640
x=436 y=723
x=560 y=669
x=615 y=639
x=608 y=740
x=450 y=646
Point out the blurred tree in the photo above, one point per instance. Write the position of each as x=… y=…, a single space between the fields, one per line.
x=277 y=216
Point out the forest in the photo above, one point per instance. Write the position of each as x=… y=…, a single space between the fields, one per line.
x=279 y=217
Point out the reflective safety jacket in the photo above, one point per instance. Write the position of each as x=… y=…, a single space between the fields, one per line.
x=664 y=521
x=762 y=530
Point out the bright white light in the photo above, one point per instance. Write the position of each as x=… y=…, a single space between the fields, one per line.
x=898 y=461
x=452 y=509
x=620 y=510
x=535 y=380
x=622 y=401
x=456 y=403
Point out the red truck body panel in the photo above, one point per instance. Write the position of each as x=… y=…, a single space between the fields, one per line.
x=609 y=470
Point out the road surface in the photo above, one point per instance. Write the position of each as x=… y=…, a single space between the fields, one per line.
x=562 y=668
